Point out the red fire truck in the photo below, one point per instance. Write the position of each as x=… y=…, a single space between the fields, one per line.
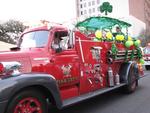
x=53 y=64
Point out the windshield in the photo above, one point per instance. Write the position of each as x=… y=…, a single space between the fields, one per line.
x=147 y=50
x=34 y=39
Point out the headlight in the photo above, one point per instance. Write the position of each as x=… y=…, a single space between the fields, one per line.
x=7 y=68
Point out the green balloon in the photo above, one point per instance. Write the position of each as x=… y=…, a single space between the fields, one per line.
x=142 y=61
x=137 y=43
x=128 y=44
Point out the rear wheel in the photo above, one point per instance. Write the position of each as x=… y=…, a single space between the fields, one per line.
x=132 y=80
x=147 y=67
x=29 y=101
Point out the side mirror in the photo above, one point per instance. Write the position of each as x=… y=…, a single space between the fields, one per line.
x=15 y=48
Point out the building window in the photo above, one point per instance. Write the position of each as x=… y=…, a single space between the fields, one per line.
x=85 y=12
x=81 y=12
x=98 y=1
x=90 y=11
x=93 y=2
x=84 y=4
x=80 y=0
x=89 y=3
x=93 y=10
x=98 y=9
x=81 y=6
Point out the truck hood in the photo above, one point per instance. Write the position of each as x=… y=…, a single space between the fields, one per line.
x=18 y=56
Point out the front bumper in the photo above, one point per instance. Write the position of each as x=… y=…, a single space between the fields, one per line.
x=3 y=106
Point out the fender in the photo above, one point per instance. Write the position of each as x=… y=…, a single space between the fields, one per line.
x=124 y=71
x=9 y=86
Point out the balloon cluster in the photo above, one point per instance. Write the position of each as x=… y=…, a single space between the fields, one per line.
x=130 y=43
x=119 y=37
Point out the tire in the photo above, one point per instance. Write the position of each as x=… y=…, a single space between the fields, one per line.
x=132 y=80
x=28 y=101
x=147 y=67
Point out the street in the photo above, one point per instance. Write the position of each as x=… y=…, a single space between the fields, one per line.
x=115 y=102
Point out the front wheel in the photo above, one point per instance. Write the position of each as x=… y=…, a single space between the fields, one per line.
x=28 y=101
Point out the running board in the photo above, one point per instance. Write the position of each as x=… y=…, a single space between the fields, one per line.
x=82 y=97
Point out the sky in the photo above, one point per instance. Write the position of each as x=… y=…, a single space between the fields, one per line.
x=34 y=10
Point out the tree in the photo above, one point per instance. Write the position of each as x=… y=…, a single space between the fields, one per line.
x=11 y=30
x=106 y=7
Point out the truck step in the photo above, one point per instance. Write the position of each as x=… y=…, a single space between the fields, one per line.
x=82 y=97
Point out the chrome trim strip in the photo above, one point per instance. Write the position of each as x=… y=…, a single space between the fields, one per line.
x=37 y=59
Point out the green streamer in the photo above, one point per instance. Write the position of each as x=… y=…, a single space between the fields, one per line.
x=132 y=55
x=114 y=50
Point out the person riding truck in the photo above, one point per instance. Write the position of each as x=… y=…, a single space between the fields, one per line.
x=60 y=42
x=118 y=32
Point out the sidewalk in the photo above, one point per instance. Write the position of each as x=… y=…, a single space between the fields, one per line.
x=5 y=46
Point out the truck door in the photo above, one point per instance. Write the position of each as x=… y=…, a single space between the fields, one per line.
x=64 y=60
x=90 y=54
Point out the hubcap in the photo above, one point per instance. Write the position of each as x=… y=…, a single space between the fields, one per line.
x=133 y=81
x=28 y=105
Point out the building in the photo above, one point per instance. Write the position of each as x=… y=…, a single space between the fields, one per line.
x=87 y=8
x=135 y=12
x=147 y=18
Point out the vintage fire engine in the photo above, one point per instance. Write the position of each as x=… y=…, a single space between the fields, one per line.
x=53 y=64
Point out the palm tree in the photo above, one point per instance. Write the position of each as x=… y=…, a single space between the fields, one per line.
x=106 y=7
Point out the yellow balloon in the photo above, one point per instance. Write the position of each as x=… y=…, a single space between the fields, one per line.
x=98 y=34
x=109 y=35
x=129 y=38
x=119 y=37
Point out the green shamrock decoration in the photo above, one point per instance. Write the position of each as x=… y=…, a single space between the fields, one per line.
x=106 y=7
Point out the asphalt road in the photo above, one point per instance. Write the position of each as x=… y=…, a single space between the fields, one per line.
x=115 y=102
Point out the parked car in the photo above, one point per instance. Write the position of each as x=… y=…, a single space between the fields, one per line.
x=147 y=57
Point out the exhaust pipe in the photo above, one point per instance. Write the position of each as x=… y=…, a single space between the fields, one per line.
x=110 y=60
